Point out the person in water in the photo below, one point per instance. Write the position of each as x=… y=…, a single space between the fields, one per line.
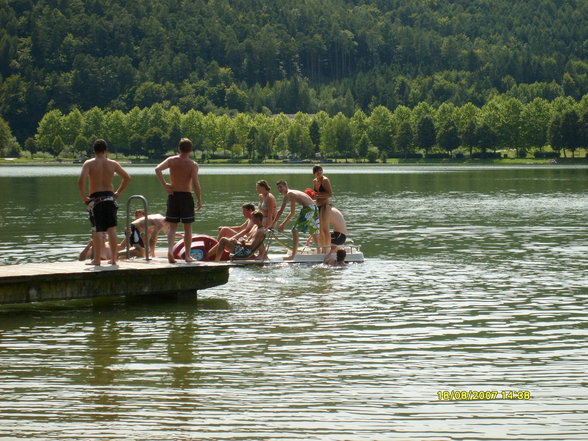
x=101 y=202
x=267 y=202
x=339 y=259
x=308 y=218
x=183 y=173
x=323 y=191
x=246 y=246
x=339 y=235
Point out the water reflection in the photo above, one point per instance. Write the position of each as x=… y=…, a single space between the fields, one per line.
x=474 y=281
x=43 y=170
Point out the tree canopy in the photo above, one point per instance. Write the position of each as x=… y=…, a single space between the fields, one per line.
x=261 y=56
x=154 y=131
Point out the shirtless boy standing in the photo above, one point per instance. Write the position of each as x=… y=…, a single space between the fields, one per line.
x=308 y=219
x=183 y=174
x=102 y=200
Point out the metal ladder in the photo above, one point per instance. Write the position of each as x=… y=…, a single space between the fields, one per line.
x=127 y=231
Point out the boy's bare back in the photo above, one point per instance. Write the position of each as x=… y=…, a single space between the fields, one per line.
x=101 y=171
x=299 y=196
x=181 y=172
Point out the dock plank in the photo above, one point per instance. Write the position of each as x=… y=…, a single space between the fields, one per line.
x=34 y=282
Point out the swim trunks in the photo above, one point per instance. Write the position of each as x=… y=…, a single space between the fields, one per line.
x=241 y=251
x=180 y=207
x=135 y=237
x=308 y=221
x=338 y=238
x=102 y=210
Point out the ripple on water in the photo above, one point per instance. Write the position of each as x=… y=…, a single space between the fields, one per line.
x=481 y=288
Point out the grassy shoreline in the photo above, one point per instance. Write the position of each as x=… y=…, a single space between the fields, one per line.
x=392 y=161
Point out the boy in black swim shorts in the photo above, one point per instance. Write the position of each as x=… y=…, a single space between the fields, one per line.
x=183 y=173
x=180 y=207
x=101 y=203
x=338 y=238
x=102 y=210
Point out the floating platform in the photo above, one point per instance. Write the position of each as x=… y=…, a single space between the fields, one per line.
x=40 y=282
x=306 y=255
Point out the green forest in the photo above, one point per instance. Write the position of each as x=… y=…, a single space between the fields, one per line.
x=260 y=79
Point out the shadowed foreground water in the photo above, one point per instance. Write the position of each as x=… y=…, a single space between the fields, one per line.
x=474 y=281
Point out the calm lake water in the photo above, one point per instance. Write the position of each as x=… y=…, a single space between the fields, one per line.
x=474 y=280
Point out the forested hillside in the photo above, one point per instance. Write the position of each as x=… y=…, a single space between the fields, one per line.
x=271 y=56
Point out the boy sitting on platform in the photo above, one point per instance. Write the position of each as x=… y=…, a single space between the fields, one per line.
x=245 y=247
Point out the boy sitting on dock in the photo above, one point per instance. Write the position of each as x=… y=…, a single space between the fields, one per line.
x=101 y=203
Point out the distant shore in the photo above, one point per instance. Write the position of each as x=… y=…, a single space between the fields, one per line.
x=391 y=162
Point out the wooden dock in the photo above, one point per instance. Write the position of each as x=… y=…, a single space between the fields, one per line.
x=75 y=280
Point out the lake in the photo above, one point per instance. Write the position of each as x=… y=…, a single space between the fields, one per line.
x=474 y=286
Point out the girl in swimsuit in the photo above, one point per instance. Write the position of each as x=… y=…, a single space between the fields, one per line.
x=324 y=191
x=267 y=203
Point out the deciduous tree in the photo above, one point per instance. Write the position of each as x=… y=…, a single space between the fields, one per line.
x=447 y=137
x=426 y=134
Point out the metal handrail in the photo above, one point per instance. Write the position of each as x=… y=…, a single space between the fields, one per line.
x=127 y=231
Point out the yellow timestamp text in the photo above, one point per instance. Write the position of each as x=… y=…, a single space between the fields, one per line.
x=473 y=395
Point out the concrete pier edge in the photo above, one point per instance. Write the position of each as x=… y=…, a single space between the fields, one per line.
x=74 y=280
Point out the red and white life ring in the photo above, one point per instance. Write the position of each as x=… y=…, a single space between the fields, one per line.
x=201 y=244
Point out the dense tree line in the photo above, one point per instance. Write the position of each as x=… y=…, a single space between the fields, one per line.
x=262 y=56
x=503 y=123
